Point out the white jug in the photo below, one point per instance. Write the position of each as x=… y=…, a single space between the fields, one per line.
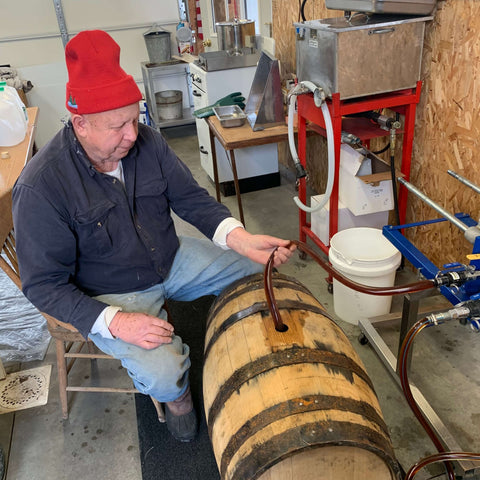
x=13 y=117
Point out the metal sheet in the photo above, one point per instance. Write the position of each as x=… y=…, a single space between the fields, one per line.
x=265 y=102
x=410 y=7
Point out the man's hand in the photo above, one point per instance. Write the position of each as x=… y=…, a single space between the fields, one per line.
x=259 y=247
x=140 y=329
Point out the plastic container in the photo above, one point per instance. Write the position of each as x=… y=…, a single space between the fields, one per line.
x=184 y=40
x=365 y=256
x=169 y=104
x=13 y=117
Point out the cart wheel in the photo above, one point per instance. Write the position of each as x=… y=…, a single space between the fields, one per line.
x=463 y=321
x=330 y=288
x=302 y=255
x=362 y=339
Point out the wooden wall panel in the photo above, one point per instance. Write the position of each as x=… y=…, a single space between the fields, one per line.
x=447 y=125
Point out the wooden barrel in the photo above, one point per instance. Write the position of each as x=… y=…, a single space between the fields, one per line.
x=289 y=405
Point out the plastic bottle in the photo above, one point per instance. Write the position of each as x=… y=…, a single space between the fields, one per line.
x=13 y=117
x=193 y=43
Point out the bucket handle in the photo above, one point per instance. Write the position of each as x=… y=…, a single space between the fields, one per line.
x=359 y=287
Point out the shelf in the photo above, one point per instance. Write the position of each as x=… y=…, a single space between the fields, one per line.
x=186 y=119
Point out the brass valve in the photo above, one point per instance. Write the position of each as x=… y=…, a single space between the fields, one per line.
x=207 y=43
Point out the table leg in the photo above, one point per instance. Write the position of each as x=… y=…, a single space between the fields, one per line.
x=237 y=185
x=215 y=167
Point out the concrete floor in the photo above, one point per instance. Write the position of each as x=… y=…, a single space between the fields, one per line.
x=99 y=440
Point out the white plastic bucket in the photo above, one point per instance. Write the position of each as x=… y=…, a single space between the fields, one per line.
x=365 y=256
x=13 y=117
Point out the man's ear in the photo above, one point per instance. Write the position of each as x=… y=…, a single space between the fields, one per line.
x=79 y=124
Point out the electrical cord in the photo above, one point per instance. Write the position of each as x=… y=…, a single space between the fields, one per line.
x=302 y=10
x=383 y=150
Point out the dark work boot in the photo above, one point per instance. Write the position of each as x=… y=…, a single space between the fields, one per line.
x=181 y=417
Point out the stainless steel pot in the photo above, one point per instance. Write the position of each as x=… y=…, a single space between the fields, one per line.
x=235 y=36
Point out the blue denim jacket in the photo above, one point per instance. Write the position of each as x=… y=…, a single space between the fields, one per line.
x=81 y=233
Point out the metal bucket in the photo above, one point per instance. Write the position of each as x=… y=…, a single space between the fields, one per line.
x=236 y=35
x=158 y=46
x=169 y=104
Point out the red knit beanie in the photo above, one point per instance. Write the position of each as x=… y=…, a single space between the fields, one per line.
x=96 y=82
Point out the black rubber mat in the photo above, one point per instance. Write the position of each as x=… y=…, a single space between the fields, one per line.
x=163 y=457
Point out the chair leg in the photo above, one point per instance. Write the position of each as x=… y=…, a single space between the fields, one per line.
x=62 y=376
x=91 y=348
x=159 y=409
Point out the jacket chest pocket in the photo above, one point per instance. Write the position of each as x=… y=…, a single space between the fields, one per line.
x=97 y=230
x=151 y=198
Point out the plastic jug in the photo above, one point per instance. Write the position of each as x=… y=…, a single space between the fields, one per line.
x=13 y=117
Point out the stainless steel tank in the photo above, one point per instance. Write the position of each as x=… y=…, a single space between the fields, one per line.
x=235 y=36
x=362 y=56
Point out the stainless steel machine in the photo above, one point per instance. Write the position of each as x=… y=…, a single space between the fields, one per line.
x=237 y=47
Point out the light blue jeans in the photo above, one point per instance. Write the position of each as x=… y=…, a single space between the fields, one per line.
x=200 y=268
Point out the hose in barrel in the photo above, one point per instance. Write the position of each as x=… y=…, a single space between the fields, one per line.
x=381 y=291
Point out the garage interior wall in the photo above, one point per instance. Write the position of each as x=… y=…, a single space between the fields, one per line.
x=447 y=124
x=30 y=42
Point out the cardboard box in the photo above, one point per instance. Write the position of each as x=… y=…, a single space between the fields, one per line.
x=365 y=184
x=346 y=219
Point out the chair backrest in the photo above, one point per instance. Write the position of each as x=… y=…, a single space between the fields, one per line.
x=9 y=264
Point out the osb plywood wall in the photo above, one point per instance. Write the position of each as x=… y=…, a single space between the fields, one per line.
x=447 y=127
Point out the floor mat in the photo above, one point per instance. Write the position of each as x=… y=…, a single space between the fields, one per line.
x=25 y=389
x=162 y=457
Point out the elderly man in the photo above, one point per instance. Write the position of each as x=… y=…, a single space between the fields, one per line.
x=96 y=242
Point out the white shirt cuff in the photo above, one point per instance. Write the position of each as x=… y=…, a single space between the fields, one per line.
x=103 y=321
x=223 y=229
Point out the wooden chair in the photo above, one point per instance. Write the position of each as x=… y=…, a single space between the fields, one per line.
x=69 y=342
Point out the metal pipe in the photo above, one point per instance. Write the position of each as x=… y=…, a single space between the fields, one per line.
x=61 y=21
x=435 y=206
x=43 y=36
x=464 y=181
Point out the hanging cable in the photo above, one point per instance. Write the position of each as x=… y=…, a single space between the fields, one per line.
x=302 y=10
x=383 y=150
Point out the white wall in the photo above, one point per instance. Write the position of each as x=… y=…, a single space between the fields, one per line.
x=30 y=41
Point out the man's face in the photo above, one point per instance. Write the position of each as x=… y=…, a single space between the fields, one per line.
x=108 y=136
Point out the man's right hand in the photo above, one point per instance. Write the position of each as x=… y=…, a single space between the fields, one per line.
x=140 y=329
